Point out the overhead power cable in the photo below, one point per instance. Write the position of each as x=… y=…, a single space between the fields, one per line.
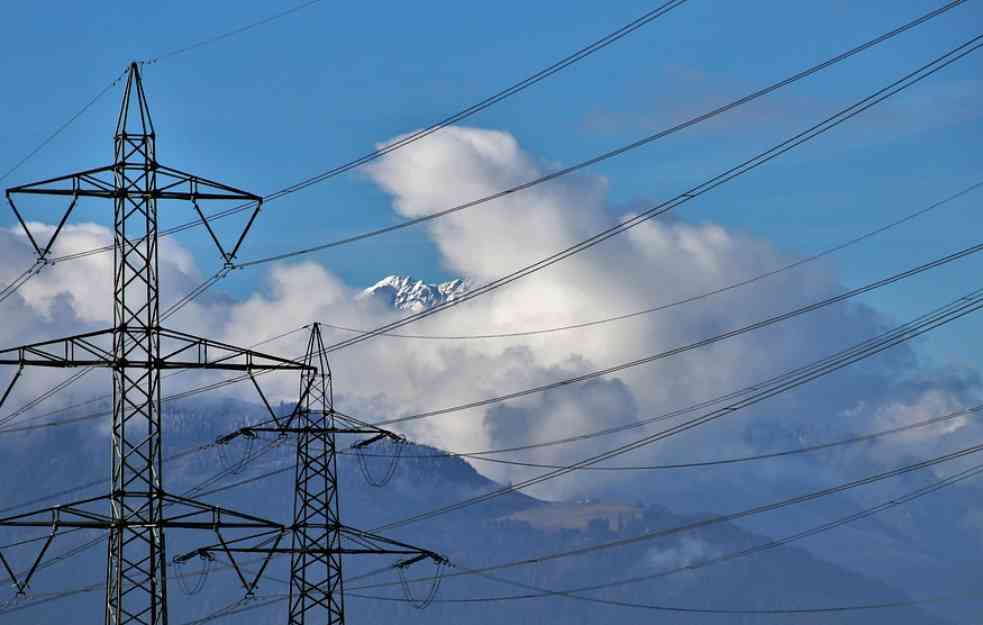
x=706 y=522
x=732 y=395
x=577 y=379
x=225 y=35
x=88 y=105
x=618 y=151
x=587 y=376
x=694 y=298
x=823 y=127
x=717 y=338
x=523 y=84
x=862 y=438
x=775 y=151
x=825 y=527
x=956 y=310
x=761 y=158
x=932 y=488
x=961 y=476
x=34 y=270
x=782 y=383
x=51 y=392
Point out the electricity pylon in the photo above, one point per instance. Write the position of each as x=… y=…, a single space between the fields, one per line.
x=319 y=539
x=136 y=348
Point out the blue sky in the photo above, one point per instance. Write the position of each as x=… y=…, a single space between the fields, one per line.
x=285 y=101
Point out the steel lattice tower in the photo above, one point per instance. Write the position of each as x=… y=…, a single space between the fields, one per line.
x=136 y=349
x=319 y=538
x=136 y=553
x=315 y=578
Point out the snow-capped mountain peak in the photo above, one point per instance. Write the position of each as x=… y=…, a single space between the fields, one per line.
x=408 y=294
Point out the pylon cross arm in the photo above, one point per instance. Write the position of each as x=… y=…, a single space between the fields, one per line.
x=362 y=542
x=179 y=350
x=184 y=513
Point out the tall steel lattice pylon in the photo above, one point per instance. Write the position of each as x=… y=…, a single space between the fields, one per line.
x=317 y=519
x=136 y=349
x=319 y=538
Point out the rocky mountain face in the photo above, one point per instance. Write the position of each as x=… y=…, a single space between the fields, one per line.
x=504 y=529
x=410 y=295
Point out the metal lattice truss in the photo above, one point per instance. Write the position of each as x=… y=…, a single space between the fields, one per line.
x=319 y=540
x=181 y=513
x=176 y=350
x=136 y=349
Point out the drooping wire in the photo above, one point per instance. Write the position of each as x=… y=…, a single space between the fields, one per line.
x=201 y=577
x=593 y=374
x=393 y=461
x=193 y=294
x=421 y=604
x=235 y=467
x=829 y=123
x=616 y=152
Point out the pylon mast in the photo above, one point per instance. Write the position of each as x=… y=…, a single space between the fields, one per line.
x=136 y=543
x=136 y=348
x=316 y=577
x=319 y=538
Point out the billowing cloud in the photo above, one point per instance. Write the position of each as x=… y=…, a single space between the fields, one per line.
x=659 y=262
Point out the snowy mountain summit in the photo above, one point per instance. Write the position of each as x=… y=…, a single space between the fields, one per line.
x=406 y=294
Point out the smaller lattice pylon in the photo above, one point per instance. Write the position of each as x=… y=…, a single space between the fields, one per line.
x=319 y=538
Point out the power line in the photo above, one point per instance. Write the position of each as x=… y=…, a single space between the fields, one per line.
x=541 y=593
x=34 y=270
x=583 y=377
x=523 y=84
x=747 y=166
x=956 y=310
x=761 y=158
x=952 y=480
x=934 y=487
x=801 y=310
x=620 y=150
x=825 y=527
x=597 y=373
x=64 y=126
x=862 y=438
x=231 y=33
x=734 y=285
x=709 y=521
x=970 y=412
